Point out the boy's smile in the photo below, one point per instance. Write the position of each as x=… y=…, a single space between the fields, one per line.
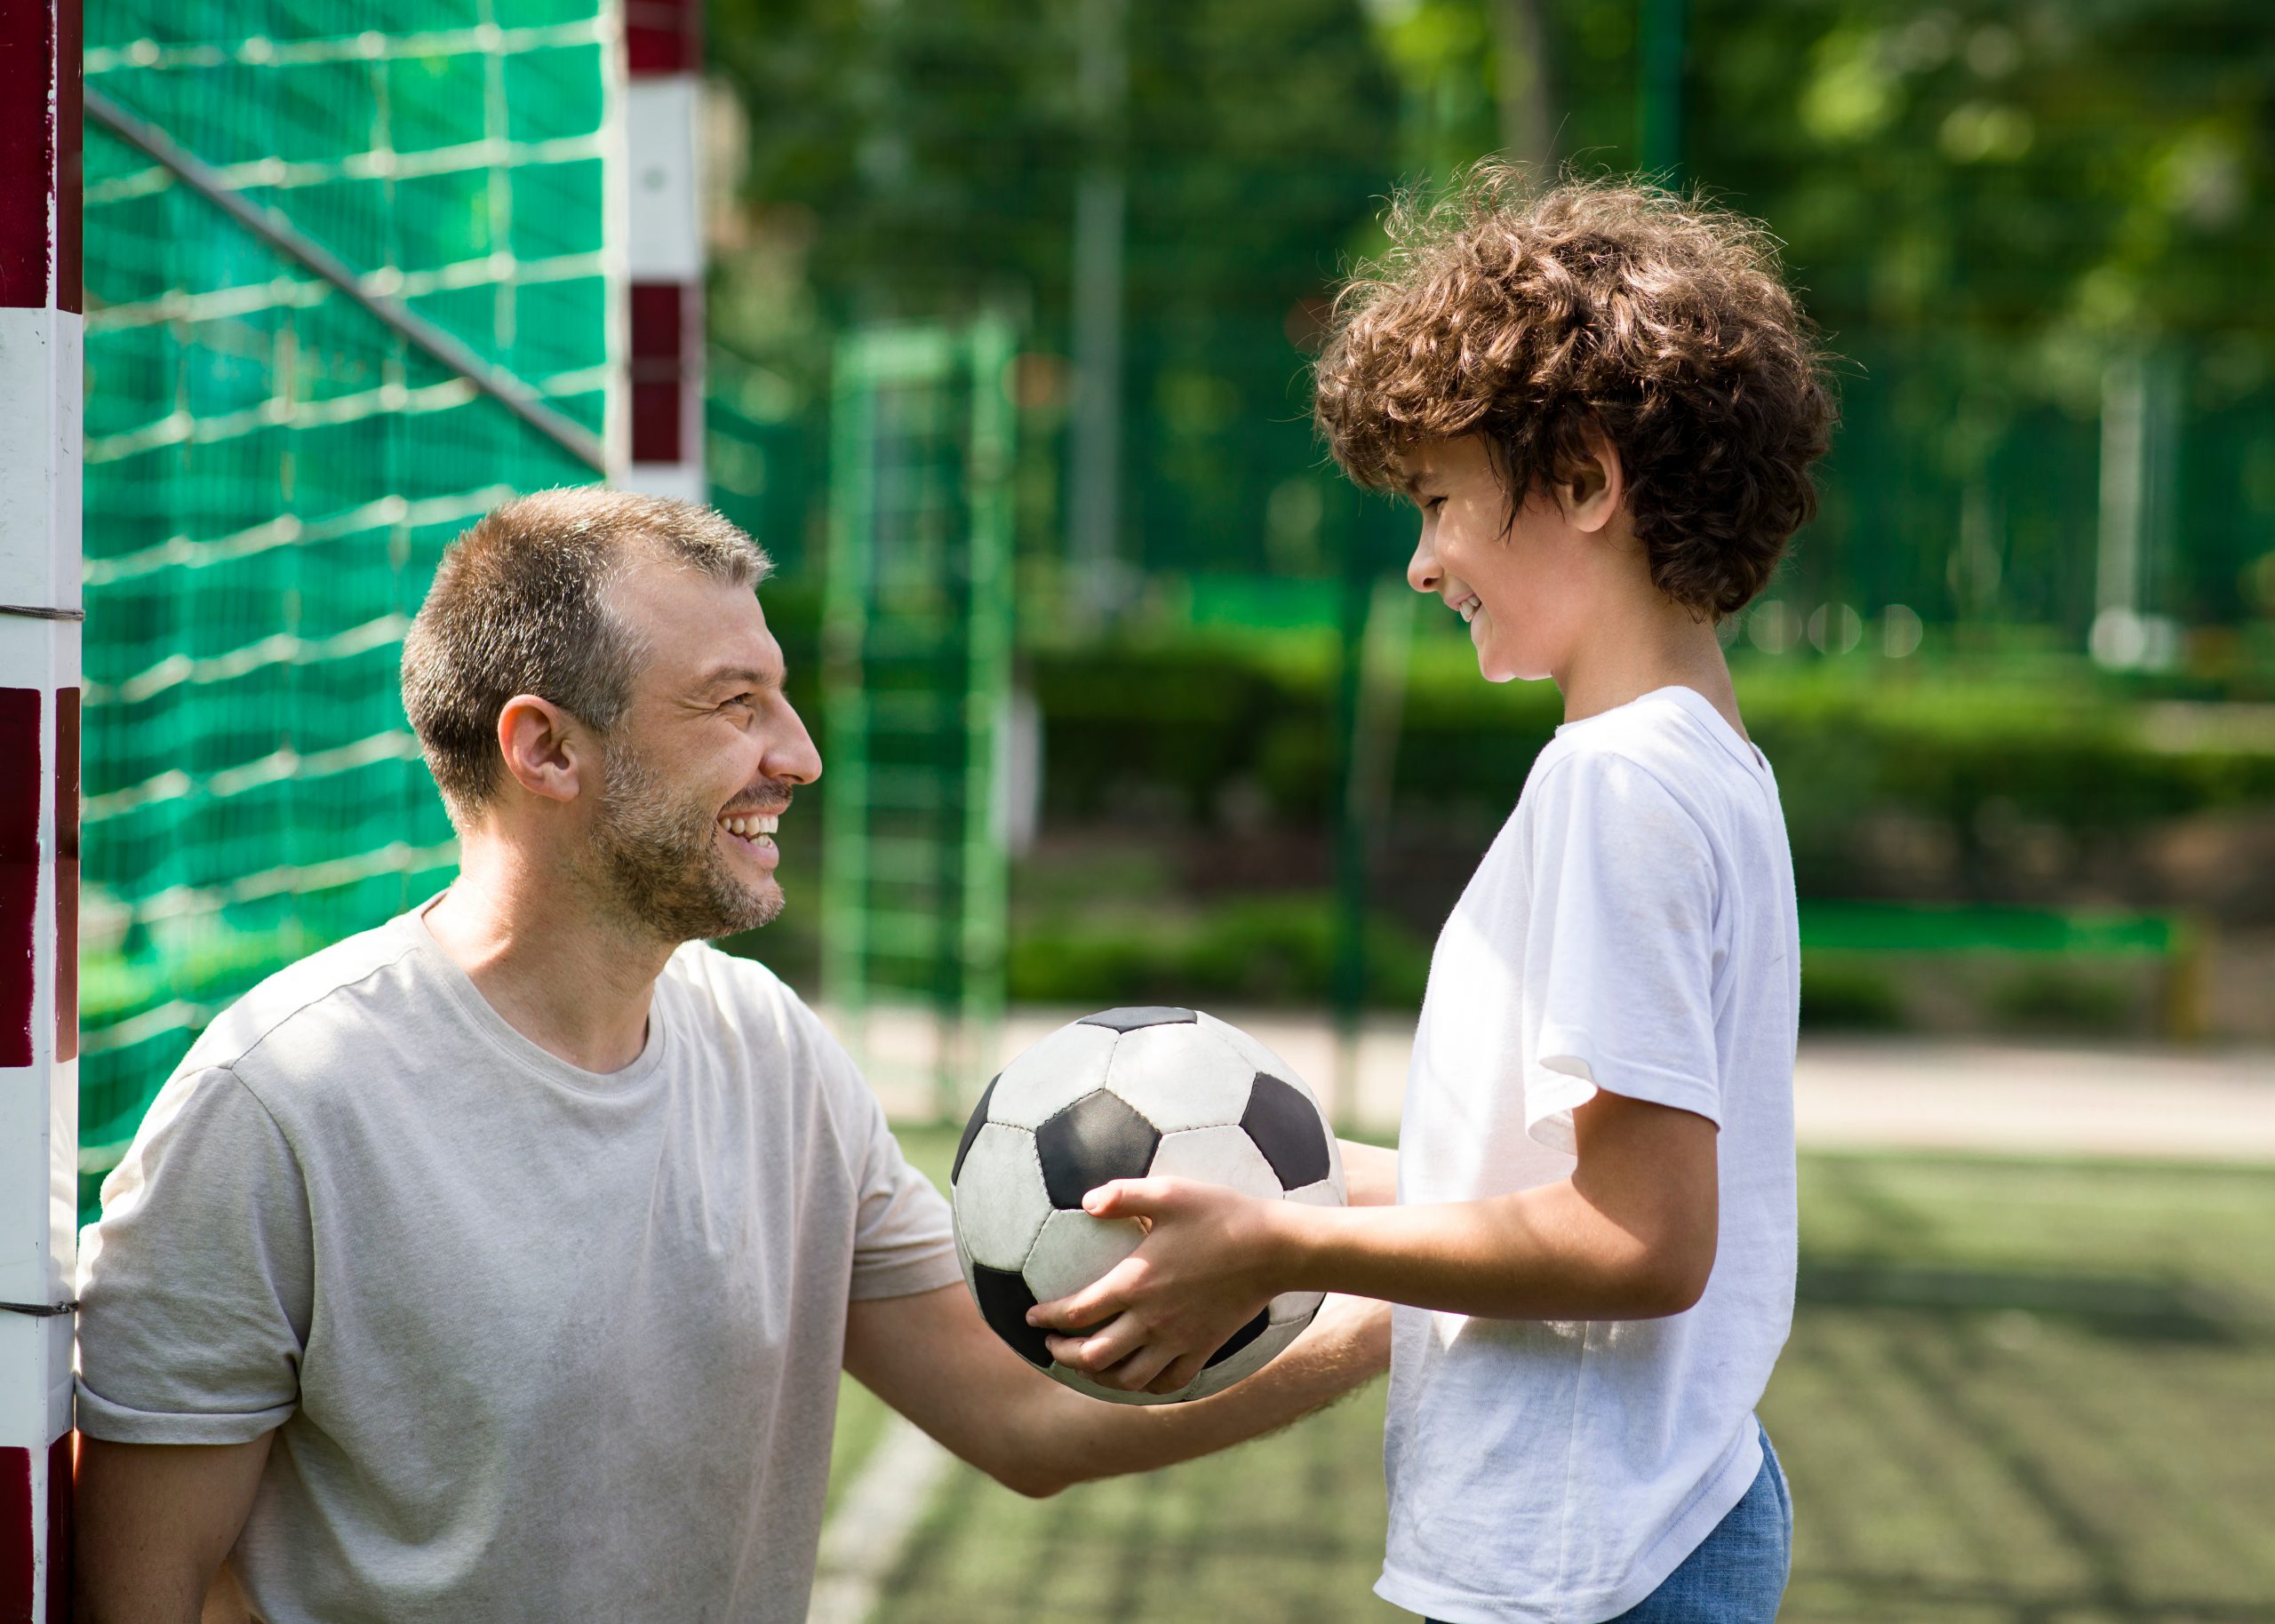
x=1504 y=573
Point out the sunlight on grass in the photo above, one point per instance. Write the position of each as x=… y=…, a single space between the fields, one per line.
x=2016 y=1390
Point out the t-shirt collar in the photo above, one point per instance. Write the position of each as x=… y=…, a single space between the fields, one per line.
x=1701 y=711
x=510 y=1041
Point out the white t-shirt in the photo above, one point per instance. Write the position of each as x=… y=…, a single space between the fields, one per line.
x=535 y=1343
x=1631 y=928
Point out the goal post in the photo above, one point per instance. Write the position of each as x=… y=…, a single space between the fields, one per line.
x=40 y=614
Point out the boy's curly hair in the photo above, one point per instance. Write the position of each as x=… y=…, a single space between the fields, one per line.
x=1526 y=318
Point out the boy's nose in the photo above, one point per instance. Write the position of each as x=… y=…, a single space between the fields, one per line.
x=1422 y=571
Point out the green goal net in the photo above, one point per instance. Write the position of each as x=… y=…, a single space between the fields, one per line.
x=272 y=472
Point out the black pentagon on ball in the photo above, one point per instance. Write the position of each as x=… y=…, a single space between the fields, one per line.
x=1130 y=1019
x=1286 y=1126
x=1093 y=1141
x=1240 y=1339
x=971 y=1128
x=1004 y=1301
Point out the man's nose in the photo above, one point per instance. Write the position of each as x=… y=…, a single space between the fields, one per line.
x=792 y=755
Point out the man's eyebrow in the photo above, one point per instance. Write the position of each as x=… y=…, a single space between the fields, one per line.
x=739 y=676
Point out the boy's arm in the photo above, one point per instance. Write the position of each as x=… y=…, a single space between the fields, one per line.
x=1370 y=1172
x=1630 y=1234
x=932 y=1357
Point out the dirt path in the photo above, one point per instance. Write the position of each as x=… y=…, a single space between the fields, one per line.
x=2053 y=1099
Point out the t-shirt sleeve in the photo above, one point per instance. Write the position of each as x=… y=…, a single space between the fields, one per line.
x=1619 y=955
x=904 y=1239
x=197 y=1286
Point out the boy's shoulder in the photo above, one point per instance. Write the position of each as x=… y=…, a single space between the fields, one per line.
x=1669 y=750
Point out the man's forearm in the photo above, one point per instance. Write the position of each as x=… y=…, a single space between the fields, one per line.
x=1082 y=1438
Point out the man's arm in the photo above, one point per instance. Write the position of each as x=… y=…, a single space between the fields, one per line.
x=932 y=1357
x=1630 y=1234
x=154 y=1522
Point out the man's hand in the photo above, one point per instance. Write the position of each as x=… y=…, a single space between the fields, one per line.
x=1204 y=1270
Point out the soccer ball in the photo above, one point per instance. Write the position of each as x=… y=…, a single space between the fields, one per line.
x=1121 y=1095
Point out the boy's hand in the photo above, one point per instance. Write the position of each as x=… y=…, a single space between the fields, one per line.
x=1204 y=1270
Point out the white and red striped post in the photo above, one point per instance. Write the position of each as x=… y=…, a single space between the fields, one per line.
x=664 y=255
x=39 y=796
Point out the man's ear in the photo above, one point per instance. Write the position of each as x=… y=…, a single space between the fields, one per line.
x=545 y=749
x=1591 y=491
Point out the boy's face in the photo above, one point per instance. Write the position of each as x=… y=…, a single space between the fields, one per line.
x=1521 y=583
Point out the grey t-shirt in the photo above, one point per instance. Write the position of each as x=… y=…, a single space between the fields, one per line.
x=536 y=1343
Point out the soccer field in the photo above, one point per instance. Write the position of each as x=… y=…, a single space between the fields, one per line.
x=2017 y=1391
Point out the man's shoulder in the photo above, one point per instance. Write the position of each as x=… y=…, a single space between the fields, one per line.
x=309 y=989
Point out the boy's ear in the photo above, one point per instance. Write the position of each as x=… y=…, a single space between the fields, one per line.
x=1591 y=491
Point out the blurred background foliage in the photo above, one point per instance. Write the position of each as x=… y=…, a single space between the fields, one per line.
x=2022 y=660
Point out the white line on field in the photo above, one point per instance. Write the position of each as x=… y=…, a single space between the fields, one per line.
x=864 y=1535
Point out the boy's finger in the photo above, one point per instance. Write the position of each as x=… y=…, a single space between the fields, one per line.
x=1099 y=1351
x=1097 y=1302
x=1181 y=1374
x=1126 y=1199
x=1137 y=1373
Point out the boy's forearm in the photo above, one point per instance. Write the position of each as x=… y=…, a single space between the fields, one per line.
x=1541 y=1253
x=1370 y=1172
x=1630 y=1235
x=1345 y=1347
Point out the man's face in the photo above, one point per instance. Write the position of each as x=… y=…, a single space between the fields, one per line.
x=702 y=764
x=1517 y=582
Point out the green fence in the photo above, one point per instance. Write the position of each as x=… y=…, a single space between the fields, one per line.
x=916 y=664
x=271 y=473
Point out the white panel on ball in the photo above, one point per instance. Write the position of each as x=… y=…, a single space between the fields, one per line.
x=1001 y=1201
x=1295 y=1308
x=1058 y=1069
x=1216 y=1156
x=1082 y=1383
x=1075 y=1249
x=1246 y=1361
x=1326 y=1193
x=1181 y=1076
x=1253 y=1052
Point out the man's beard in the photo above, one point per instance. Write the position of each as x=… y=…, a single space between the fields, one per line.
x=661 y=863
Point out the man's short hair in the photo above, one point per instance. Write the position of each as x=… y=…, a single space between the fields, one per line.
x=520 y=606
x=1660 y=320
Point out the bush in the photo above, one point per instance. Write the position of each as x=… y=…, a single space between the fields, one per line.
x=1260 y=950
x=1849 y=993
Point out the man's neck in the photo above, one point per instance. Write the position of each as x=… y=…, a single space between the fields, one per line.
x=573 y=981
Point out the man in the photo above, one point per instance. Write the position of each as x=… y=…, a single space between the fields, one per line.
x=499 y=1263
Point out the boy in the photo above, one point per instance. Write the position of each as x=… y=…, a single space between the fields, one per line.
x=1604 y=403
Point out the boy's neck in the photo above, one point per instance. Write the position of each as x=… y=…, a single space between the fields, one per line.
x=1656 y=644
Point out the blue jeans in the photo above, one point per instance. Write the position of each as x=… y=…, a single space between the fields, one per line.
x=1737 y=1574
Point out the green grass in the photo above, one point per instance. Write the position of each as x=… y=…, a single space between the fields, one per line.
x=2016 y=1393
